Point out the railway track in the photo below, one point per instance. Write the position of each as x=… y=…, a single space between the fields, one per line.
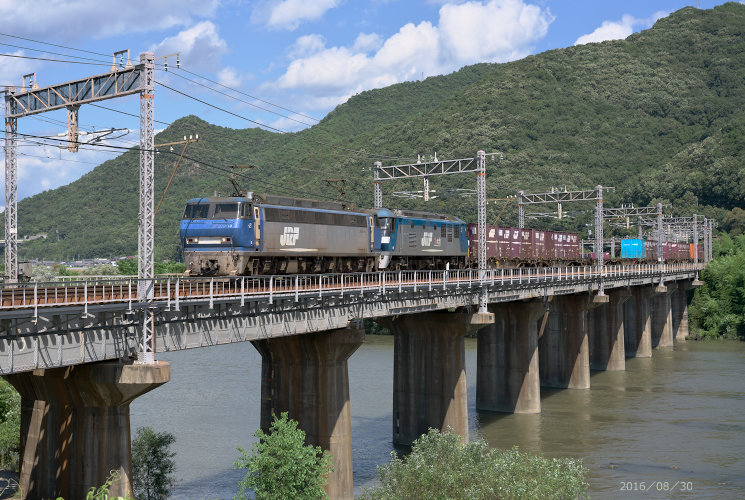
x=103 y=291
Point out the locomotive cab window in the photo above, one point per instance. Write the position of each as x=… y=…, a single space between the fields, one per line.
x=384 y=223
x=225 y=211
x=196 y=211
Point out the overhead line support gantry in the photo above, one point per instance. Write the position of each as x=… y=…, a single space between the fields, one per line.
x=119 y=82
x=445 y=167
x=564 y=196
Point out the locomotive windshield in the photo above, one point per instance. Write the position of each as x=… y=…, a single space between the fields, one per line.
x=225 y=211
x=217 y=210
x=196 y=211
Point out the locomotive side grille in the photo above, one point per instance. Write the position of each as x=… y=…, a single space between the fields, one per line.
x=412 y=240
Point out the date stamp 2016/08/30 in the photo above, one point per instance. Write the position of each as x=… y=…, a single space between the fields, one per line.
x=656 y=486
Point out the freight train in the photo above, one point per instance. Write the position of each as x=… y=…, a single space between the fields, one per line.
x=266 y=234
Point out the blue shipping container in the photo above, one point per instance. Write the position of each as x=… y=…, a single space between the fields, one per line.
x=633 y=249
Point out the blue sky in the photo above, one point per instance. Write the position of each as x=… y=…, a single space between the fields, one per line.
x=296 y=58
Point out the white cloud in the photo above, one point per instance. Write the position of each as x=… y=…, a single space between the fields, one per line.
x=496 y=31
x=616 y=30
x=366 y=42
x=467 y=33
x=78 y=19
x=13 y=68
x=306 y=46
x=289 y=14
x=230 y=77
x=200 y=46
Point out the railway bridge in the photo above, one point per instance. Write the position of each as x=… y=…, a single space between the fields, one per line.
x=71 y=350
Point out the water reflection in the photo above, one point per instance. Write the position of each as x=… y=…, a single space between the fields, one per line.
x=674 y=418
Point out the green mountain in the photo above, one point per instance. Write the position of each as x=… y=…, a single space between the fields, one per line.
x=660 y=116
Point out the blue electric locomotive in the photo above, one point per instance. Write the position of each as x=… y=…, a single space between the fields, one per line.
x=275 y=235
x=255 y=234
x=421 y=240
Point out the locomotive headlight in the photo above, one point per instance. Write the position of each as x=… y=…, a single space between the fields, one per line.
x=227 y=239
x=192 y=240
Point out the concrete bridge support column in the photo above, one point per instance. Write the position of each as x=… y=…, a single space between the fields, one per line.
x=607 y=350
x=680 y=310
x=507 y=374
x=429 y=374
x=307 y=376
x=638 y=323
x=75 y=426
x=563 y=347
x=662 y=317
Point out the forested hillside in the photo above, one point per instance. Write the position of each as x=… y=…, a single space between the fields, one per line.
x=660 y=116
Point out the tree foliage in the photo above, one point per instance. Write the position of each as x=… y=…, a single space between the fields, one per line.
x=152 y=464
x=10 y=426
x=440 y=466
x=718 y=307
x=282 y=466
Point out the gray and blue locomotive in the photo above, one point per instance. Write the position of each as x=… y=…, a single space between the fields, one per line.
x=265 y=234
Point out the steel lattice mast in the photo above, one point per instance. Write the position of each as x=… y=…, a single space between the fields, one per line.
x=118 y=82
x=145 y=244
x=11 y=191
x=481 y=188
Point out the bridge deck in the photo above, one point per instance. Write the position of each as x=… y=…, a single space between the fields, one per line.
x=44 y=325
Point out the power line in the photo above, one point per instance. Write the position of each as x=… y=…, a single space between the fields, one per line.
x=128 y=114
x=247 y=95
x=53 y=44
x=243 y=101
x=200 y=162
x=357 y=153
x=50 y=52
x=59 y=159
x=54 y=60
x=221 y=109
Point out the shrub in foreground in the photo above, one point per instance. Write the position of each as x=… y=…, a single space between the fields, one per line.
x=282 y=466
x=441 y=467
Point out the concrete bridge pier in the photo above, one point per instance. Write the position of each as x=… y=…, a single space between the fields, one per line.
x=307 y=376
x=563 y=347
x=508 y=377
x=679 y=303
x=429 y=374
x=75 y=425
x=607 y=350
x=662 y=317
x=638 y=323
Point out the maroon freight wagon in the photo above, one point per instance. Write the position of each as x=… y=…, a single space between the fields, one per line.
x=514 y=246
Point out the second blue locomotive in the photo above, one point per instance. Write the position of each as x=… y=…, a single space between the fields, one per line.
x=264 y=234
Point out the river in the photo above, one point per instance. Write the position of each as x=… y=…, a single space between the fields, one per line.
x=674 y=420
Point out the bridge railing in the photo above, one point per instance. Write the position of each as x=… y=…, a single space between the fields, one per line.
x=173 y=290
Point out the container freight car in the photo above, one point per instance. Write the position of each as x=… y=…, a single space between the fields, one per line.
x=633 y=249
x=512 y=247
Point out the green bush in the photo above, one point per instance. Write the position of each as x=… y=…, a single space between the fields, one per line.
x=440 y=466
x=282 y=466
x=152 y=464
x=10 y=426
x=718 y=307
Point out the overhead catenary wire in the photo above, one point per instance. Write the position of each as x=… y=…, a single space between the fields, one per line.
x=357 y=153
x=247 y=95
x=195 y=160
x=242 y=100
